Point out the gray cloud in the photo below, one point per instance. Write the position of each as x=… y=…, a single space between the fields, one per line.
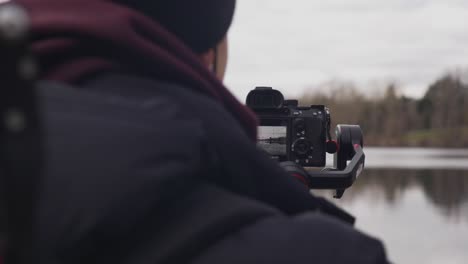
x=303 y=43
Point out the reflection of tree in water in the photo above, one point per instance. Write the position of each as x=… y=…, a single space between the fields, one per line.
x=446 y=189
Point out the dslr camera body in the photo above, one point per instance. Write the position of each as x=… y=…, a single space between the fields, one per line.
x=289 y=132
x=301 y=135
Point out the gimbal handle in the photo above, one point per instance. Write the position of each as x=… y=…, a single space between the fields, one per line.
x=339 y=179
x=343 y=175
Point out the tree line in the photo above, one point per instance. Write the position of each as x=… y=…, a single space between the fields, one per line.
x=438 y=119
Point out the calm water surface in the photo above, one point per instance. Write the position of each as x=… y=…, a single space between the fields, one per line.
x=416 y=201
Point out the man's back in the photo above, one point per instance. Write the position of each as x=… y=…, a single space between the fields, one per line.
x=150 y=172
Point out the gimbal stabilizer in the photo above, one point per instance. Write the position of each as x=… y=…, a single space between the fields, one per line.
x=299 y=138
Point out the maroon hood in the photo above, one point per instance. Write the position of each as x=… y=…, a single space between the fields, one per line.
x=75 y=40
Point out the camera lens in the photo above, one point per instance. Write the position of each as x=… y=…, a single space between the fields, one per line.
x=302 y=147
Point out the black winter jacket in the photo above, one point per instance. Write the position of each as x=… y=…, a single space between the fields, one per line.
x=139 y=171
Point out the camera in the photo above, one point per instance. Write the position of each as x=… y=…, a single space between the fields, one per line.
x=289 y=132
x=292 y=133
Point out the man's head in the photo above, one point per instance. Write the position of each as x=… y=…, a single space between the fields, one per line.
x=201 y=24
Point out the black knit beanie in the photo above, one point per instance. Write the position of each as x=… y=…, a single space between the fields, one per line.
x=200 y=24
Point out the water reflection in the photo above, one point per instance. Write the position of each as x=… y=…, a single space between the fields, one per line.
x=421 y=215
x=447 y=190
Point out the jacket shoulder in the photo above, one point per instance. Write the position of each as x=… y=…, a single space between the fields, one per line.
x=101 y=130
x=110 y=158
x=308 y=238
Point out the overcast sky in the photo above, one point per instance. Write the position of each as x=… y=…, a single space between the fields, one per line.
x=298 y=44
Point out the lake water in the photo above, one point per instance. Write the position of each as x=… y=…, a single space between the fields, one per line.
x=416 y=201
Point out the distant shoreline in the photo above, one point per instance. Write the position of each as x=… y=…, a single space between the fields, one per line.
x=438 y=120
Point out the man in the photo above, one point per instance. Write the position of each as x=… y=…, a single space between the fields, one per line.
x=150 y=159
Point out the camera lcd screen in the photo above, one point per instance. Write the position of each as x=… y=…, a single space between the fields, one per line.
x=273 y=139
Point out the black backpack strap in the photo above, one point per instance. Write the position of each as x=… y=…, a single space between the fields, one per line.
x=20 y=150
